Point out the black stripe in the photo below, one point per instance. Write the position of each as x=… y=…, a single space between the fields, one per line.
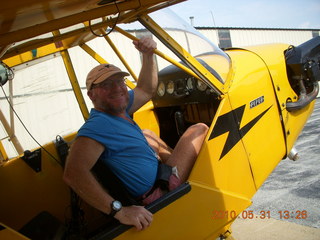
x=230 y=122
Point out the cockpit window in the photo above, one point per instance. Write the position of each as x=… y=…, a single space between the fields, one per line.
x=193 y=41
x=189 y=38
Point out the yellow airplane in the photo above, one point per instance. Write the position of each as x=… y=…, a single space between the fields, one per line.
x=256 y=101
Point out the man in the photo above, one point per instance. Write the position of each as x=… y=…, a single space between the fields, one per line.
x=111 y=134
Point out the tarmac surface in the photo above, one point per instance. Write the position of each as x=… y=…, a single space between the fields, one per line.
x=272 y=229
x=290 y=195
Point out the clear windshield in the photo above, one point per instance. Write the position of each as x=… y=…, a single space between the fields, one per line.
x=189 y=38
x=176 y=26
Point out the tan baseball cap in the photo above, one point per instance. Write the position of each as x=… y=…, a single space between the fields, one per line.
x=101 y=72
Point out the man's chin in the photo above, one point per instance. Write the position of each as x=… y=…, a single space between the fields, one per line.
x=120 y=108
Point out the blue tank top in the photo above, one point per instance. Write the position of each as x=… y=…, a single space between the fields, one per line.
x=127 y=152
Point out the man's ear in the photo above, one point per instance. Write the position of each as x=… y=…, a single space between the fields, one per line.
x=91 y=95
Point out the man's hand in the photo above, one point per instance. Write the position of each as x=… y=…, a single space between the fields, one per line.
x=145 y=45
x=137 y=216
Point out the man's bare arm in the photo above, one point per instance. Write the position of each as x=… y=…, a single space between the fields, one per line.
x=83 y=155
x=148 y=77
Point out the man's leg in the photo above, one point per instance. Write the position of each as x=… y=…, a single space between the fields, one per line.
x=187 y=150
x=185 y=153
x=158 y=145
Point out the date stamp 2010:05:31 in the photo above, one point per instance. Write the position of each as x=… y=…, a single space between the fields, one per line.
x=249 y=214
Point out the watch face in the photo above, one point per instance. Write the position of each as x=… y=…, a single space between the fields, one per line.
x=116 y=205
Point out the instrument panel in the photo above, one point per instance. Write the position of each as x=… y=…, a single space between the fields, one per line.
x=180 y=90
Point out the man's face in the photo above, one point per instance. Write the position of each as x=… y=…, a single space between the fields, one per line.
x=111 y=95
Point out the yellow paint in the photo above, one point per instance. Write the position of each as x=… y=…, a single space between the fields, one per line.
x=147 y=119
x=220 y=183
x=9 y=234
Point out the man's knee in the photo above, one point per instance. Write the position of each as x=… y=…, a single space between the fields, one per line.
x=199 y=128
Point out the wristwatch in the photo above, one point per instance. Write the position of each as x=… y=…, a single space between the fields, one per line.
x=115 y=207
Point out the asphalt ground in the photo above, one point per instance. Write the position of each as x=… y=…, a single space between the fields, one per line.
x=290 y=195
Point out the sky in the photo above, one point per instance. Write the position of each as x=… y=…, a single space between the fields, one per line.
x=303 y=14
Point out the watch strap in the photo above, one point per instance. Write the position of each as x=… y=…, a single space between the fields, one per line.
x=113 y=212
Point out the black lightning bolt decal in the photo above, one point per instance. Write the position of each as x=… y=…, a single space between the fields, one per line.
x=230 y=122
